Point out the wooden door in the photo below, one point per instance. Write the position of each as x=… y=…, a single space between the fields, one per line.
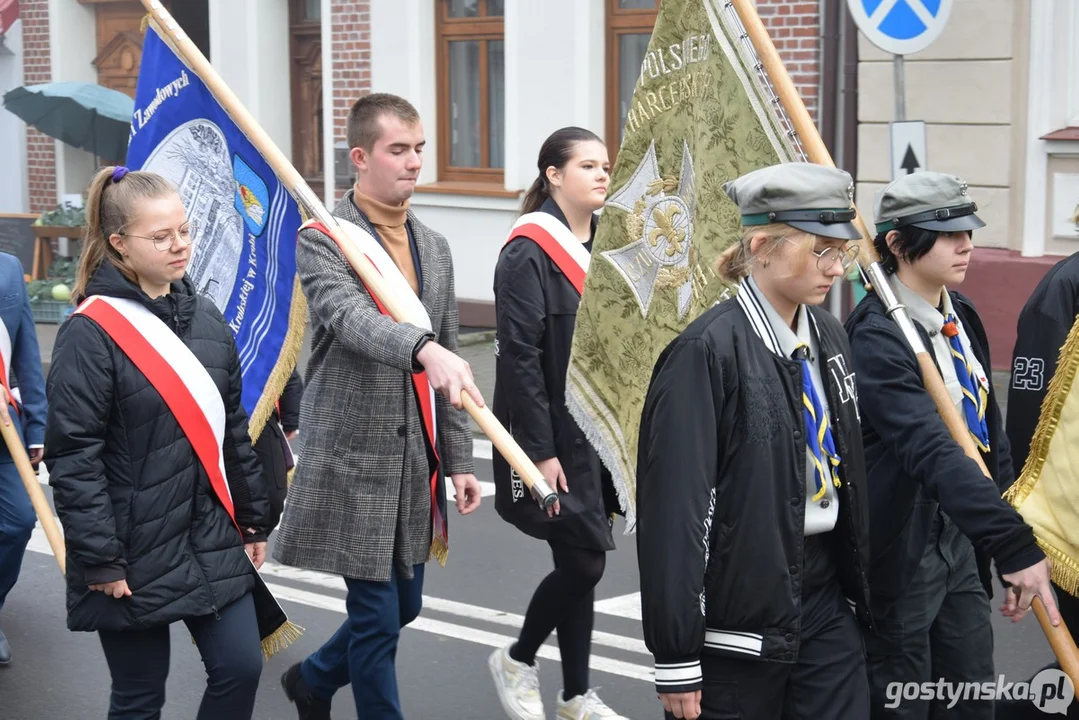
x=119 y=43
x=119 y=37
x=305 y=51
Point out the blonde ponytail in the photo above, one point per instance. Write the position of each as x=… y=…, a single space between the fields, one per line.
x=110 y=201
x=737 y=261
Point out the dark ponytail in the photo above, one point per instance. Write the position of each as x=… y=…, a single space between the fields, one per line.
x=555 y=152
x=536 y=196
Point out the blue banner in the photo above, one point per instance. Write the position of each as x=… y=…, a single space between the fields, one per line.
x=244 y=258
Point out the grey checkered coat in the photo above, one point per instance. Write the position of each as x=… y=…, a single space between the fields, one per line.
x=360 y=504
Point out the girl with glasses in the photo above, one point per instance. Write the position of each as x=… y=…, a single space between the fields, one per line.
x=162 y=523
x=752 y=529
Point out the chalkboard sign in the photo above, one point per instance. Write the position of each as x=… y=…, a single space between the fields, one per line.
x=17 y=237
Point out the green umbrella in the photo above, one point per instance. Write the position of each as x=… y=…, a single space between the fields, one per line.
x=83 y=115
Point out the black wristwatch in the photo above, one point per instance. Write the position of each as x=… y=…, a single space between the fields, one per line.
x=416 y=366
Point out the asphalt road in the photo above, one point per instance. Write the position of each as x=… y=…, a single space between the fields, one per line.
x=471 y=606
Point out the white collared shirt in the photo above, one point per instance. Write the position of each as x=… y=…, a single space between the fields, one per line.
x=820 y=515
x=932 y=320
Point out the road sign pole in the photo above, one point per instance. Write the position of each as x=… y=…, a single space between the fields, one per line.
x=900 y=88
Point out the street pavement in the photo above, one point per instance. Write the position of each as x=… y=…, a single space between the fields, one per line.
x=470 y=607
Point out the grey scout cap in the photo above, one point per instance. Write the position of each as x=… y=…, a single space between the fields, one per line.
x=927 y=200
x=814 y=198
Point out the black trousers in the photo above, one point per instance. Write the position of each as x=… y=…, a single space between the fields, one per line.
x=939 y=629
x=827 y=682
x=231 y=651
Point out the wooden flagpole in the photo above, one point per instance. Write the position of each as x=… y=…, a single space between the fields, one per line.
x=37 y=496
x=311 y=203
x=1059 y=637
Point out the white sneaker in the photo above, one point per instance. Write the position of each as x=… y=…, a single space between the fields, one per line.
x=517 y=685
x=586 y=707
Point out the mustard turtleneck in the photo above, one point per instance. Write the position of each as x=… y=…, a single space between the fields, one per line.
x=389 y=221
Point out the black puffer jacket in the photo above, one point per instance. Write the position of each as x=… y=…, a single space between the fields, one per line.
x=133 y=499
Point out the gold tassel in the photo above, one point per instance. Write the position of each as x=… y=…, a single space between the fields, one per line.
x=1065 y=572
x=286 y=362
x=280 y=639
x=440 y=551
x=144 y=23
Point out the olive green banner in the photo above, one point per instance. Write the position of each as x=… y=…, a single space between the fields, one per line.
x=699 y=117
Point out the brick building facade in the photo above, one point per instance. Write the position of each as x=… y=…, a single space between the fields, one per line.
x=352 y=58
x=794 y=26
x=1004 y=69
x=37 y=68
x=350 y=23
x=795 y=29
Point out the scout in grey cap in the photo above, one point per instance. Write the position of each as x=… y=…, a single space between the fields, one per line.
x=913 y=211
x=927 y=200
x=813 y=198
x=929 y=589
x=754 y=403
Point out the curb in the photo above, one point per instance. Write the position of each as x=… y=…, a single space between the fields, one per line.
x=475 y=338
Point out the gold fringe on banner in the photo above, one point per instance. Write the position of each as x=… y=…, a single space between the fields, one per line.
x=286 y=361
x=439 y=550
x=280 y=639
x=1065 y=571
x=1065 y=568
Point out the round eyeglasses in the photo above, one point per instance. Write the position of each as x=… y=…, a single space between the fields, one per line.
x=827 y=257
x=162 y=239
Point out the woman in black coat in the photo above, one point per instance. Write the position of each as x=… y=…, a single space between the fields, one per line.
x=149 y=542
x=537 y=290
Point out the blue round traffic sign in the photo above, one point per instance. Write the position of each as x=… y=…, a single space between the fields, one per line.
x=900 y=27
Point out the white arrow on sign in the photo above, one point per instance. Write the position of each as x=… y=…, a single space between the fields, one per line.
x=908 y=147
x=900 y=27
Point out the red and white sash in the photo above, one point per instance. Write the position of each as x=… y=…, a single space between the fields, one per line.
x=176 y=374
x=562 y=246
x=5 y=366
x=425 y=394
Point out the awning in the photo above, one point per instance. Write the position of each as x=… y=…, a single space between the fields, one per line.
x=1067 y=133
x=9 y=13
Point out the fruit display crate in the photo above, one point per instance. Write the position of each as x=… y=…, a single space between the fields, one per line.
x=50 y=312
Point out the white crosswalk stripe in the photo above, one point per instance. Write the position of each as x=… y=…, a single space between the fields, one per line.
x=627 y=606
x=327 y=592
